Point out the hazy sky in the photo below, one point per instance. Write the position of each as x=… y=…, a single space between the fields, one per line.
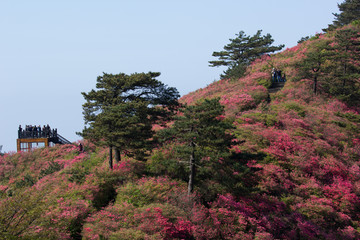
x=52 y=50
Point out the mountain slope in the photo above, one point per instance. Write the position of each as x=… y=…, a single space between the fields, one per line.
x=295 y=174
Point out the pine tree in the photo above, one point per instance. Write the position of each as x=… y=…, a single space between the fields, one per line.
x=345 y=71
x=313 y=66
x=334 y=63
x=349 y=12
x=202 y=138
x=121 y=112
x=241 y=51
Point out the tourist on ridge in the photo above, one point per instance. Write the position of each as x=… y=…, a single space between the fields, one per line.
x=81 y=148
x=279 y=76
x=274 y=75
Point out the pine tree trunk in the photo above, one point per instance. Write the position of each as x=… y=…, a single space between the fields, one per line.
x=345 y=68
x=117 y=155
x=315 y=84
x=110 y=158
x=344 y=76
x=192 y=170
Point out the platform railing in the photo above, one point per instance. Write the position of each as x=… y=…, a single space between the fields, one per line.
x=63 y=140
x=37 y=134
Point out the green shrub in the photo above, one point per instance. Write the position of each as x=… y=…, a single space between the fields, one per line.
x=139 y=196
x=26 y=181
x=77 y=174
x=264 y=82
x=352 y=117
x=53 y=167
x=162 y=164
x=340 y=124
x=107 y=181
x=295 y=107
x=267 y=119
x=147 y=191
x=129 y=234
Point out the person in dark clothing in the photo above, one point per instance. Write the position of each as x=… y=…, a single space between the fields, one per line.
x=19 y=132
x=34 y=130
x=81 y=148
x=47 y=130
x=279 y=76
x=275 y=75
x=39 y=131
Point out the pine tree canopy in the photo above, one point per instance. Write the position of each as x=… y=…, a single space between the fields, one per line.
x=121 y=112
x=349 y=12
x=241 y=51
x=334 y=64
x=201 y=124
x=202 y=134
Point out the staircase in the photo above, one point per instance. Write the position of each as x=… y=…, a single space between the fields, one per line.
x=63 y=140
x=276 y=86
x=59 y=139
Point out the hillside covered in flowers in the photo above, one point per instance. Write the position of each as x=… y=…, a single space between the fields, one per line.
x=293 y=173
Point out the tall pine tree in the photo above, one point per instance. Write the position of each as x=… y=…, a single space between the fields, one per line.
x=202 y=138
x=313 y=66
x=349 y=12
x=121 y=112
x=344 y=72
x=333 y=63
x=241 y=51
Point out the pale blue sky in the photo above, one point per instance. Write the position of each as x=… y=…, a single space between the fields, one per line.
x=52 y=50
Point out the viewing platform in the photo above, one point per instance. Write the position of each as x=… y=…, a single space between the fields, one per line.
x=33 y=137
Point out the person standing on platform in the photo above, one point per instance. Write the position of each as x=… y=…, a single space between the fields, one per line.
x=19 y=131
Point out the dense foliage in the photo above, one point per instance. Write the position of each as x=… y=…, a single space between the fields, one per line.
x=332 y=62
x=293 y=170
x=122 y=110
x=201 y=136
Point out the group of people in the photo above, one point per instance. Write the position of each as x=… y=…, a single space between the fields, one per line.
x=276 y=76
x=33 y=131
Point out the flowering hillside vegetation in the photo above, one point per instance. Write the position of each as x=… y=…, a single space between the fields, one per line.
x=294 y=171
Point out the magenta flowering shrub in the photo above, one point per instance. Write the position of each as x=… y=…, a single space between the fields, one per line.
x=163 y=216
x=65 y=217
x=152 y=208
x=6 y=167
x=243 y=94
x=227 y=219
x=280 y=144
x=149 y=190
x=157 y=221
x=71 y=185
x=237 y=103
